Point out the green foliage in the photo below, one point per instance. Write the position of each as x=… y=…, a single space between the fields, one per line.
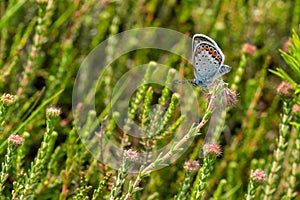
x=44 y=42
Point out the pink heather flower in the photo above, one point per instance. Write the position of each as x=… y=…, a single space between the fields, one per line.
x=285 y=89
x=131 y=154
x=16 y=140
x=212 y=149
x=258 y=175
x=191 y=166
x=286 y=45
x=248 y=49
x=296 y=109
x=231 y=97
x=8 y=99
x=53 y=111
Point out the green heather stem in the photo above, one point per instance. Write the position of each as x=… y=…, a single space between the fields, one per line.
x=98 y=193
x=82 y=191
x=193 y=132
x=3 y=111
x=160 y=161
x=147 y=141
x=173 y=128
x=294 y=162
x=38 y=40
x=49 y=160
x=159 y=128
x=239 y=73
x=16 y=50
x=7 y=165
x=220 y=189
x=135 y=102
x=231 y=174
x=4 y=35
x=113 y=29
x=171 y=109
x=252 y=186
x=71 y=149
x=202 y=176
x=6 y=100
x=21 y=153
x=133 y=187
x=18 y=187
x=284 y=131
x=295 y=15
x=218 y=115
x=119 y=182
x=257 y=177
x=68 y=53
x=146 y=109
x=165 y=95
x=52 y=166
x=184 y=187
x=40 y=162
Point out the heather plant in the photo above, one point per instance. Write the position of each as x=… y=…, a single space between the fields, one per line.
x=137 y=131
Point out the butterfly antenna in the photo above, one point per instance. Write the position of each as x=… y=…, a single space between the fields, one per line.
x=182 y=81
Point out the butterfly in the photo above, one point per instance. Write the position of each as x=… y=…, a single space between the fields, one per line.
x=208 y=61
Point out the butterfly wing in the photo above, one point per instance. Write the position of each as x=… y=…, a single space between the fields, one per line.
x=197 y=38
x=207 y=60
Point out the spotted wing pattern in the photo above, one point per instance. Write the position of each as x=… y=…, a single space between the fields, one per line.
x=208 y=61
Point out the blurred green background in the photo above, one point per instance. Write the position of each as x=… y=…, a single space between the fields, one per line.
x=46 y=44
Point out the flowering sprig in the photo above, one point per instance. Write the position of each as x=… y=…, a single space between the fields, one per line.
x=130 y=155
x=177 y=147
x=295 y=154
x=257 y=177
x=211 y=152
x=6 y=100
x=44 y=7
x=247 y=50
x=286 y=92
x=190 y=167
x=160 y=161
x=13 y=142
x=40 y=162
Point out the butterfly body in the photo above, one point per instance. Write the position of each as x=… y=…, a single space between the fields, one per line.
x=208 y=61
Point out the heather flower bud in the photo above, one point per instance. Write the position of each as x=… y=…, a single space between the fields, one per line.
x=191 y=166
x=131 y=154
x=249 y=49
x=286 y=45
x=53 y=111
x=285 y=89
x=16 y=140
x=296 y=109
x=212 y=149
x=258 y=175
x=8 y=99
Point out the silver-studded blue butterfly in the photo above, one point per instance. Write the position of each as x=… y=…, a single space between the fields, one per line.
x=208 y=61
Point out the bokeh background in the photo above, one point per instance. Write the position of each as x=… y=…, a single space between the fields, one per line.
x=43 y=44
